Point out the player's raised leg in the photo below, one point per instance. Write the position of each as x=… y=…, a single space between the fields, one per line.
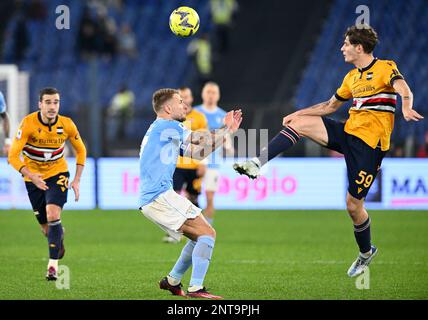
x=295 y=126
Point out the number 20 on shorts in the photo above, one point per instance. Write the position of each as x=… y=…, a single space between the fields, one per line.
x=62 y=181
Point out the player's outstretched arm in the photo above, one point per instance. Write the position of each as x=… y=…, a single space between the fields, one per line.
x=402 y=88
x=320 y=109
x=210 y=141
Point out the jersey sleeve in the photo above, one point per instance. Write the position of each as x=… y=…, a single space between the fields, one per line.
x=2 y=103
x=343 y=93
x=77 y=143
x=18 y=143
x=391 y=73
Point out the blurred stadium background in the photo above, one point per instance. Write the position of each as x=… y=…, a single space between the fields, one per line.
x=271 y=57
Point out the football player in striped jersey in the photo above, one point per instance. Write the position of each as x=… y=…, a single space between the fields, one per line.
x=365 y=137
x=41 y=139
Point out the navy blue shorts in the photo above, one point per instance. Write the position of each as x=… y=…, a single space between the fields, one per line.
x=189 y=178
x=362 y=161
x=56 y=194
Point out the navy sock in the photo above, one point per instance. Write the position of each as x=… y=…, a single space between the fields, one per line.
x=54 y=238
x=362 y=235
x=284 y=140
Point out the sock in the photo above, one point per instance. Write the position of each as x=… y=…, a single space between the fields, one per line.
x=194 y=288
x=54 y=238
x=362 y=235
x=183 y=263
x=284 y=140
x=53 y=263
x=173 y=281
x=201 y=257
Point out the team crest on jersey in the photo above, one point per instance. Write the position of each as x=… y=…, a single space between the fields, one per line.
x=47 y=155
x=59 y=130
x=369 y=76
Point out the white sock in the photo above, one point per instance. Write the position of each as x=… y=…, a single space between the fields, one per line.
x=367 y=254
x=173 y=281
x=53 y=263
x=194 y=288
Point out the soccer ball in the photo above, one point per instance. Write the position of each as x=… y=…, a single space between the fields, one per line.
x=184 y=22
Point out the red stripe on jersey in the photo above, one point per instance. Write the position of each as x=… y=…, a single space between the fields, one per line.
x=377 y=100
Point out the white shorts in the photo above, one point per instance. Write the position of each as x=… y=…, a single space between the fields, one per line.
x=169 y=211
x=211 y=180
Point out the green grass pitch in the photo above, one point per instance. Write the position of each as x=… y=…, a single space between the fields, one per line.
x=258 y=255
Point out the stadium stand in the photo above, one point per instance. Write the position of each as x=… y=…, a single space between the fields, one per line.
x=52 y=57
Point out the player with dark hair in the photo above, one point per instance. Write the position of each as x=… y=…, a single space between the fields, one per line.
x=41 y=138
x=365 y=137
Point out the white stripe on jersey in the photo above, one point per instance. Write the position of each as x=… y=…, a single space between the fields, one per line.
x=45 y=159
x=43 y=149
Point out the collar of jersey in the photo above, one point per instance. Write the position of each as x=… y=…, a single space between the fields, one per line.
x=210 y=111
x=39 y=116
x=369 y=66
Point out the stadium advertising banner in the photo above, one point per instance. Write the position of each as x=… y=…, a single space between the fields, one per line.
x=13 y=194
x=293 y=183
x=118 y=181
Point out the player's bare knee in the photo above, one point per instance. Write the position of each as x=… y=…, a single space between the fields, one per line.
x=53 y=215
x=298 y=124
x=353 y=207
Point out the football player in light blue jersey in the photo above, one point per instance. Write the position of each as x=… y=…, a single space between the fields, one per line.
x=6 y=125
x=167 y=138
x=214 y=115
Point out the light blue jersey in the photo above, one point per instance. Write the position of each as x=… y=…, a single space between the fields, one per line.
x=160 y=148
x=2 y=103
x=215 y=121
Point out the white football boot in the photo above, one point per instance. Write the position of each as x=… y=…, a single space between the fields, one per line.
x=360 y=264
x=251 y=168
